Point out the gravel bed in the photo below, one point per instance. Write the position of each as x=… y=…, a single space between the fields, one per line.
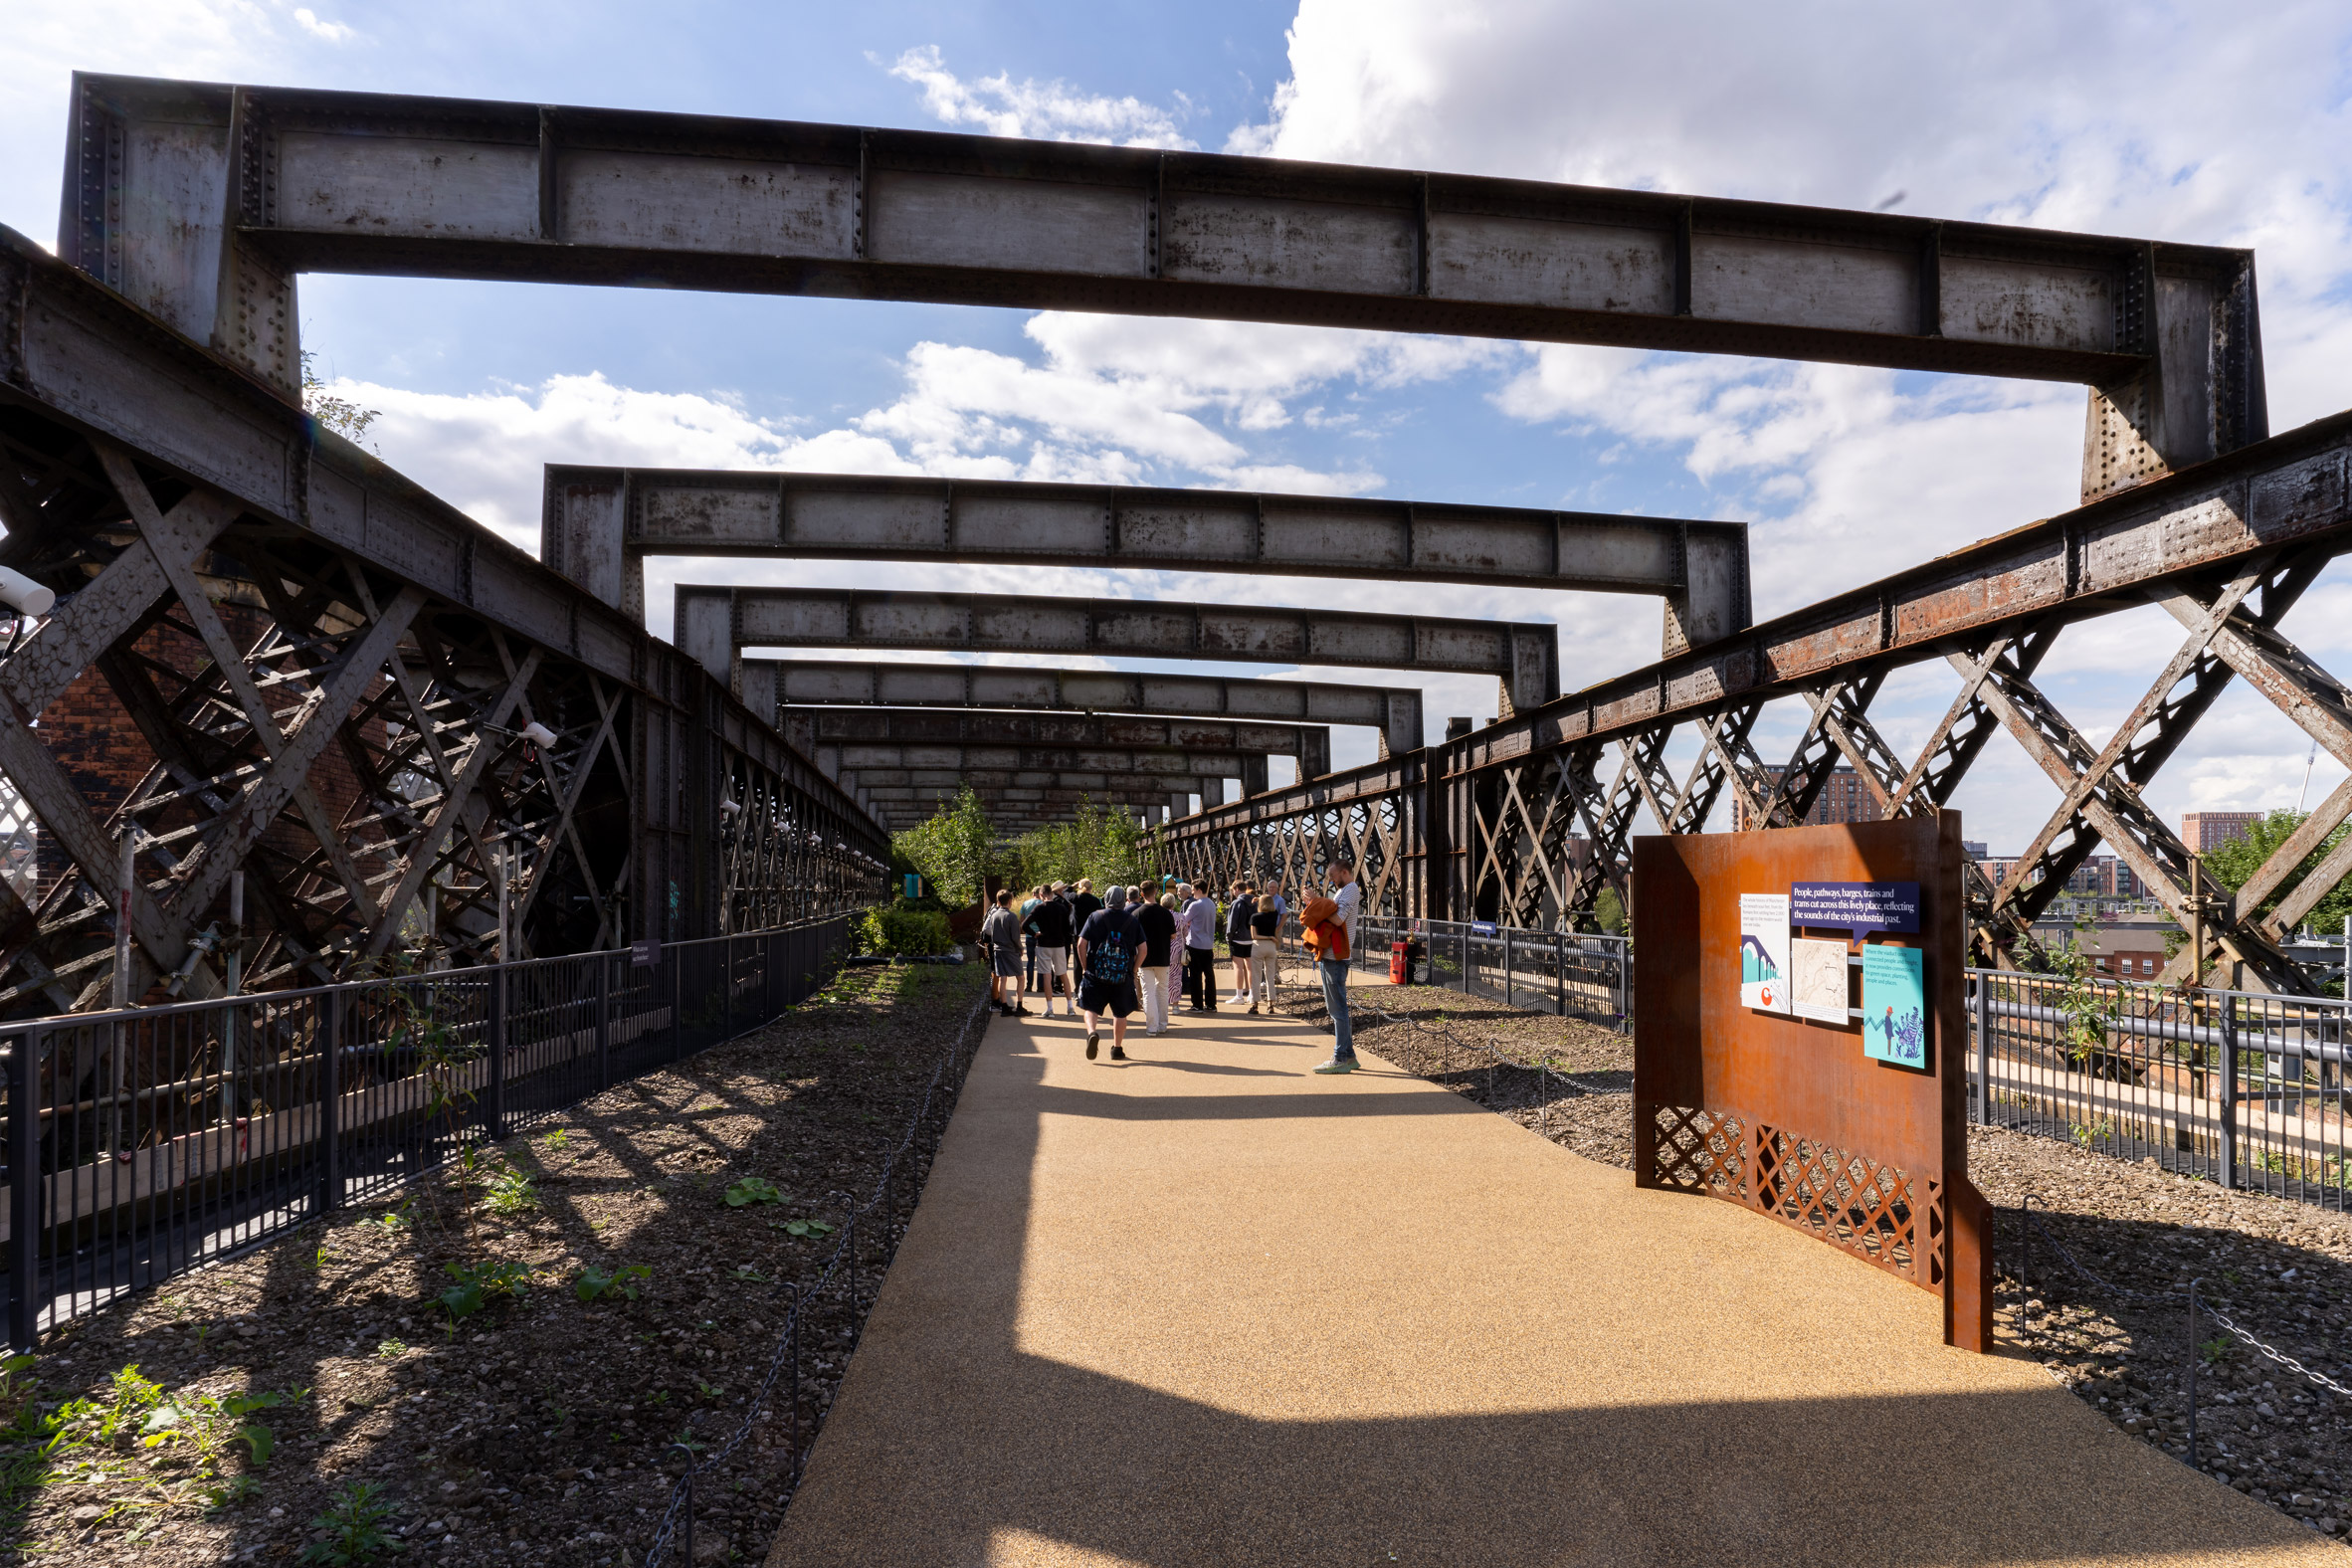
x=536 y=1429
x=2282 y=1270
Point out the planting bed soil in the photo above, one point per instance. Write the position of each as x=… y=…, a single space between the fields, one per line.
x=2282 y=1270
x=521 y=1426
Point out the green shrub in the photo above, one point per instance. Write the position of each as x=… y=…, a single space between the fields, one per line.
x=901 y=930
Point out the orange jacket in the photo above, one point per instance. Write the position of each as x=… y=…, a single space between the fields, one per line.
x=1324 y=936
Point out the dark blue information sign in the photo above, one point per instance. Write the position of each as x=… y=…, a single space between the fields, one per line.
x=1855 y=907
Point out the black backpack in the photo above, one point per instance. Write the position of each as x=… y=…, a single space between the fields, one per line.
x=1108 y=957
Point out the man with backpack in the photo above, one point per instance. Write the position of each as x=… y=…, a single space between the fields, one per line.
x=1328 y=926
x=1108 y=949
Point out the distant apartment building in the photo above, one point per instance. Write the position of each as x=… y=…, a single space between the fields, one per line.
x=2206 y=830
x=1843 y=798
x=1975 y=848
x=2098 y=876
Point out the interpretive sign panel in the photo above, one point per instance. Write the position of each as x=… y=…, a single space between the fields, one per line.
x=1895 y=1004
x=1855 y=1136
x=1764 y=951
x=1857 y=906
x=1817 y=984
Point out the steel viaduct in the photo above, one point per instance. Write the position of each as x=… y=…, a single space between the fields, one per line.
x=328 y=673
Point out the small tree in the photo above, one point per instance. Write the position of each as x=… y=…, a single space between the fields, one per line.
x=954 y=850
x=2237 y=861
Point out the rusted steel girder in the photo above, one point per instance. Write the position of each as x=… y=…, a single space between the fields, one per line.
x=273 y=182
x=775 y=684
x=715 y=624
x=2226 y=550
x=597 y=525
x=811 y=729
x=272 y=656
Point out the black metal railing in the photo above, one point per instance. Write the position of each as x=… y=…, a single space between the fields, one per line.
x=2242 y=1088
x=1574 y=974
x=143 y=1143
x=2246 y=1089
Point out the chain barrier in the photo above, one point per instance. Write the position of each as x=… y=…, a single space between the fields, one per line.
x=2190 y=1298
x=1495 y=1057
x=787 y=1352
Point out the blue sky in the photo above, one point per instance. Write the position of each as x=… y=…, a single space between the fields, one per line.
x=2171 y=123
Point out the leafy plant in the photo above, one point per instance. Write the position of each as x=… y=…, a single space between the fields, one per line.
x=478 y=1284
x=753 y=1189
x=900 y=931
x=391 y=1349
x=595 y=1283
x=806 y=1228
x=2217 y=1349
x=210 y=1423
x=511 y=1190
x=354 y=1526
x=558 y=1140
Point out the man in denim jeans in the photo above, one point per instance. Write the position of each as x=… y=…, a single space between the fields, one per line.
x=1334 y=971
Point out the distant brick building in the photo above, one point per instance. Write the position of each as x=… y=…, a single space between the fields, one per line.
x=2205 y=831
x=1843 y=798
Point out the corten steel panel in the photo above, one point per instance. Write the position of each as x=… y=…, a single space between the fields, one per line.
x=1697 y=1049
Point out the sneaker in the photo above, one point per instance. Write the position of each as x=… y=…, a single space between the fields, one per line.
x=1253 y=1009
x=1339 y=1065
x=1092 y=1041
x=1118 y=1052
x=1020 y=1012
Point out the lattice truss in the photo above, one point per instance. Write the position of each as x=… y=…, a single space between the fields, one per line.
x=1371 y=835
x=786 y=858
x=1872 y=1209
x=251 y=701
x=1522 y=816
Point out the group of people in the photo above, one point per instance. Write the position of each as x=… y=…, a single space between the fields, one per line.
x=1114 y=954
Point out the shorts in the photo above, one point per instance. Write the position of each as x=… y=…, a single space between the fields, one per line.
x=1117 y=998
x=1002 y=960
x=1238 y=950
x=1053 y=960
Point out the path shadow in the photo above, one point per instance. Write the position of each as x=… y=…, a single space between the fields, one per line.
x=954 y=1446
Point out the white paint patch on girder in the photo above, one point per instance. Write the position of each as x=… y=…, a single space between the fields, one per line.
x=1041 y=226
x=737 y=207
x=407 y=187
x=716 y=515
x=178 y=173
x=1572 y=265
x=1986 y=301
x=1287 y=244
x=1204 y=530
x=1840 y=286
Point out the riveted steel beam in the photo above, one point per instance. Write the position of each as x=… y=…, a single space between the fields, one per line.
x=715 y=623
x=597 y=525
x=776 y=685
x=254 y=185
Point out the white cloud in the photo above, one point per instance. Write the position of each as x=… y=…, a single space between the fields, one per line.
x=1047 y=110
x=331 y=32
